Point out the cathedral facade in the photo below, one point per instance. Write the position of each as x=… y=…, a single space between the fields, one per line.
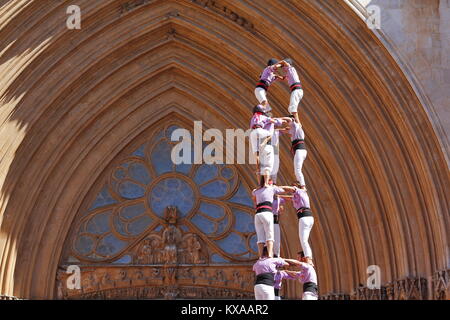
x=92 y=207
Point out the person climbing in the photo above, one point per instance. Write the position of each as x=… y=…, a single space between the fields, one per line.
x=268 y=76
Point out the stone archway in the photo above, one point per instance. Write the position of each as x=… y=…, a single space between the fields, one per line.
x=73 y=100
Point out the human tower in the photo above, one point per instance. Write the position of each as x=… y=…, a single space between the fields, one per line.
x=269 y=198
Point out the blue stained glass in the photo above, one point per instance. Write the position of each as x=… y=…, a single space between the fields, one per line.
x=132 y=211
x=253 y=243
x=172 y=192
x=170 y=130
x=139 y=172
x=130 y=190
x=183 y=168
x=243 y=221
x=84 y=244
x=233 y=244
x=184 y=228
x=120 y=226
x=120 y=174
x=159 y=136
x=110 y=245
x=161 y=157
x=140 y=225
x=227 y=173
x=205 y=173
x=215 y=258
x=204 y=224
x=123 y=260
x=242 y=197
x=140 y=152
x=222 y=225
x=212 y=210
x=215 y=189
x=104 y=198
x=99 y=223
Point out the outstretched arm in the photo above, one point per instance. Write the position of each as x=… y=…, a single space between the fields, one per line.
x=288 y=189
x=293 y=262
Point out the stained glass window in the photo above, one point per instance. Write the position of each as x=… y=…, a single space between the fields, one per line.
x=212 y=202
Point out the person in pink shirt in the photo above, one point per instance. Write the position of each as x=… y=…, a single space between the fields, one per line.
x=298 y=148
x=294 y=85
x=306 y=275
x=263 y=128
x=300 y=201
x=264 y=222
x=265 y=269
x=268 y=76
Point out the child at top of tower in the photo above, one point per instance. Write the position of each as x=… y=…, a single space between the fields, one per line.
x=268 y=76
x=294 y=85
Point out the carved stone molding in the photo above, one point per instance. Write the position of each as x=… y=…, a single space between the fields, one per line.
x=159 y=282
x=223 y=10
x=441 y=285
x=405 y=289
x=3 y=297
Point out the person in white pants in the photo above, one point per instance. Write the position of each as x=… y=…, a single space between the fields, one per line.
x=294 y=85
x=263 y=128
x=264 y=226
x=265 y=269
x=307 y=275
x=301 y=203
x=268 y=76
x=298 y=149
x=278 y=208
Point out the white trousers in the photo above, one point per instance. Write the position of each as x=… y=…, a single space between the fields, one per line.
x=299 y=158
x=276 y=166
x=305 y=225
x=296 y=97
x=264 y=226
x=277 y=241
x=264 y=292
x=266 y=160
x=260 y=94
x=309 y=296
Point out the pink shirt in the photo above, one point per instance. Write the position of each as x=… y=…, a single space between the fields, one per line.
x=276 y=205
x=268 y=265
x=300 y=199
x=296 y=131
x=306 y=274
x=291 y=75
x=266 y=193
x=268 y=74
x=260 y=120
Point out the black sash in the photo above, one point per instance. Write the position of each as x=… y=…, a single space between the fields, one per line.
x=262 y=84
x=298 y=144
x=276 y=219
x=304 y=212
x=265 y=278
x=295 y=86
x=264 y=207
x=310 y=287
